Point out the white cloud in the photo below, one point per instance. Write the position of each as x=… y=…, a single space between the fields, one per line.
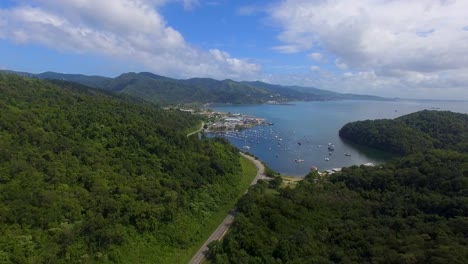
x=341 y=65
x=287 y=48
x=249 y=10
x=315 y=56
x=314 y=68
x=190 y=4
x=123 y=29
x=425 y=41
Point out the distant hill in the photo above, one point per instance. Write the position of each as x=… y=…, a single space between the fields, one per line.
x=328 y=94
x=91 y=81
x=165 y=90
x=315 y=93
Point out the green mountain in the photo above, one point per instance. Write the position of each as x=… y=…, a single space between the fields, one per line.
x=294 y=91
x=91 y=81
x=411 y=133
x=337 y=96
x=411 y=210
x=164 y=90
x=87 y=176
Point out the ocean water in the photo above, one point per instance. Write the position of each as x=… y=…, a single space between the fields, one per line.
x=302 y=132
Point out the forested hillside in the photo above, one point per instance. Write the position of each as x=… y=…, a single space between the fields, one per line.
x=414 y=210
x=164 y=90
x=411 y=210
x=411 y=133
x=86 y=176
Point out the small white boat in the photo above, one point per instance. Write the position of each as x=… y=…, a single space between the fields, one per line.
x=246 y=147
x=327 y=159
x=298 y=160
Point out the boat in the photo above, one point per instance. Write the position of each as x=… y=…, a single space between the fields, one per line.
x=298 y=160
x=329 y=153
x=331 y=148
x=327 y=159
x=299 y=143
x=246 y=147
x=347 y=154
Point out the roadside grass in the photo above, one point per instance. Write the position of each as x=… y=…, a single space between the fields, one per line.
x=249 y=171
x=193 y=129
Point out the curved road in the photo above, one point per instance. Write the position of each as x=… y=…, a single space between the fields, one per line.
x=224 y=226
x=196 y=131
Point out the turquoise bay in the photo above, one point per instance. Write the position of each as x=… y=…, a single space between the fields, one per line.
x=303 y=130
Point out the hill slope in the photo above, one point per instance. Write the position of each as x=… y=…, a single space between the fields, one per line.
x=87 y=176
x=413 y=210
x=411 y=133
x=164 y=90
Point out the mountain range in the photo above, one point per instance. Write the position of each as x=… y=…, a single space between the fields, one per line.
x=165 y=90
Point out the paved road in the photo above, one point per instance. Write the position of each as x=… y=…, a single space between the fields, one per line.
x=224 y=226
x=196 y=131
x=260 y=168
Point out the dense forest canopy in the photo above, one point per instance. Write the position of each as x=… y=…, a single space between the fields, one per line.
x=411 y=133
x=87 y=176
x=413 y=209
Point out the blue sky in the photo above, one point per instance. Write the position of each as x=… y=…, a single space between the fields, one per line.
x=398 y=48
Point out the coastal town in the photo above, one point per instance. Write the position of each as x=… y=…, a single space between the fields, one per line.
x=221 y=121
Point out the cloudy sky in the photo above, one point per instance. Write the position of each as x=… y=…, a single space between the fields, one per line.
x=395 y=48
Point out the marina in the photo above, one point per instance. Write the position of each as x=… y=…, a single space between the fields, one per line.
x=305 y=135
x=278 y=148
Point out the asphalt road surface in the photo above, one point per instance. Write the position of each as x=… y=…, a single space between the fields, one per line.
x=224 y=226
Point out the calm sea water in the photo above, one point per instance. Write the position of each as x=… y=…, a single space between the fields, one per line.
x=303 y=130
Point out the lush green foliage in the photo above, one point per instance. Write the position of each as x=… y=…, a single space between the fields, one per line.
x=411 y=210
x=414 y=210
x=164 y=90
x=89 y=177
x=412 y=133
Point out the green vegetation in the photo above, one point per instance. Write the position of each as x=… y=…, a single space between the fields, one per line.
x=164 y=90
x=168 y=91
x=87 y=176
x=411 y=210
x=412 y=133
x=249 y=171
